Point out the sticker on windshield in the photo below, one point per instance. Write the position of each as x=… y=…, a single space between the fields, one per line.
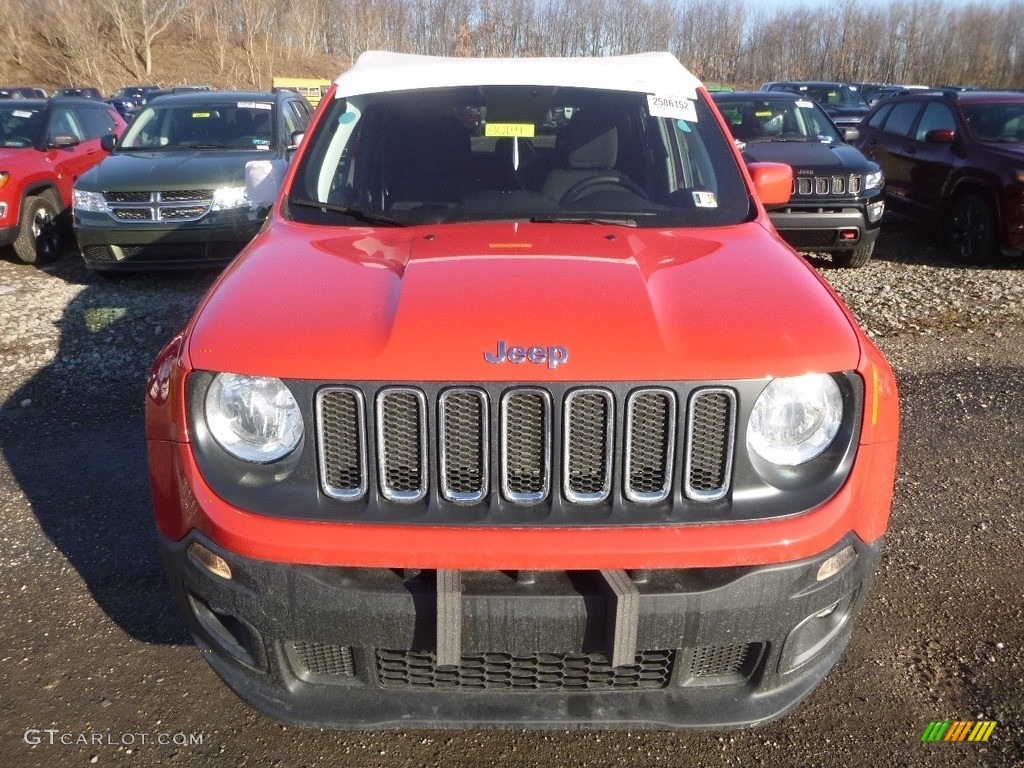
x=21 y=113
x=199 y=115
x=672 y=106
x=705 y=200
x=763 y=114
x=805 y=104
x=501 y=130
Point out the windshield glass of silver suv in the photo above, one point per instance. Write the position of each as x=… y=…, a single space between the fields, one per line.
x=493 y=153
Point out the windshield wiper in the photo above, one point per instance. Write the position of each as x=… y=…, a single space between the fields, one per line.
x=360 y=214
x=583 y=220
x=204 y=145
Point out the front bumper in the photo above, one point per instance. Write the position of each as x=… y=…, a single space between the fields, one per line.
x=210 y=242
x=825 y=227
x=358 y=647
x=8 y=235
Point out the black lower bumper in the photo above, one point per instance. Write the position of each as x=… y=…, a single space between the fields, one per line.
x=358 y=647
x=825 y=229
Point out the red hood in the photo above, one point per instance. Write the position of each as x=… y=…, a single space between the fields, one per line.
x=427 y=303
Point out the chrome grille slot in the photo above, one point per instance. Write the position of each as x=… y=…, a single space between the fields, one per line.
x=803 y=185
x=855 y=185
x=526 y=445
x=187 y=196
x=341 y=432
x=650 y=444
x=838 y=185
x=821 y=185
x=402 y=444
x=127 y=197
x=464 y=445
x=587 y=444
x=710 y=441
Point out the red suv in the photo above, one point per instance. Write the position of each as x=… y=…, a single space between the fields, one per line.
x=955 y=158
x=537 y=425
x=45 y=145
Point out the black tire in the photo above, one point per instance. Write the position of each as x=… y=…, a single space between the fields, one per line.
x=858 y=257
x=972 y=230
x=39 y=234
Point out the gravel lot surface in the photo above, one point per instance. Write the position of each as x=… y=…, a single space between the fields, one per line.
x=92 y=648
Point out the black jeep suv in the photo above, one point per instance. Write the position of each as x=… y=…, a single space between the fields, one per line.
x=836 y=205
x=955 y=159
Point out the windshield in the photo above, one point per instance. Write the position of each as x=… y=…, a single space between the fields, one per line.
x=837 y=95
x=210 y=125
x=753 y=120
x=518 y=152
x=20 y=127
x=1000 y=123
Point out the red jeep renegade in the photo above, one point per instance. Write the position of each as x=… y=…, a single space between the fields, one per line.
x=525 y=420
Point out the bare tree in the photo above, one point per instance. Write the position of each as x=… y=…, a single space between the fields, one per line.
x=138 y=23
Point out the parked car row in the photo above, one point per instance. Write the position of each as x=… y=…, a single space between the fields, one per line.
x=169 y=190
x=949 y=156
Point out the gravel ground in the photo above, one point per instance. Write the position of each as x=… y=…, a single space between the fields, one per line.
x=90 y=641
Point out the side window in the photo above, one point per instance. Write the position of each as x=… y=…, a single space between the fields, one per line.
x=96 y=120
x=902 y=118
x=936 y=116
x=879 y=117
x=293 y=120
x=65 y=123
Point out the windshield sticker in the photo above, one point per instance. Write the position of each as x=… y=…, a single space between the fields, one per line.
x=21 y=113
x=763 y=114
x=522 y=130
x=672 y=106
x=705 y=200
x=683 y=126
x=805 y=104
x=346 y=117
x=199 y=115
x=247 y=105
x=263 y=105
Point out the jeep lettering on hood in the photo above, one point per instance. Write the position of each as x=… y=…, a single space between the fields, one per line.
x=553 y=356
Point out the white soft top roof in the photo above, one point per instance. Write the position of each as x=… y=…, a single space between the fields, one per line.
x=655 y=73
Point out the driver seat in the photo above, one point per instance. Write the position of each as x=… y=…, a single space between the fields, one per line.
x=587 y=147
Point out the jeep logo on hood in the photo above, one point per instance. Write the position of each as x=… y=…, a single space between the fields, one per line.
x=553 y=356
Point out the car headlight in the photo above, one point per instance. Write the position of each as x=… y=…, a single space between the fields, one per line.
x=88 y=201
x=874 y=180
x=795 y=419
x=254 y=418
x=230 y=197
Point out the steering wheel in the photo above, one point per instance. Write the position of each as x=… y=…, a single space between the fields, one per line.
x=579 y=189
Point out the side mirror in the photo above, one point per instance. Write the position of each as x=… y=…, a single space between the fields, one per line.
x=940 y=136
x=263 y=180
x=296 y=139
x=773 y=183
x=63 y=140
x=107 y=142
x=850 y=135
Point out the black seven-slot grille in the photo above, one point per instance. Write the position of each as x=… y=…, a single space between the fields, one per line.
x=827 y=185
x=521 y=445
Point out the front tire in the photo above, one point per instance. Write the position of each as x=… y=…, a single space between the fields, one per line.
x=858 y=257
x=972 y=230
x=39 y=237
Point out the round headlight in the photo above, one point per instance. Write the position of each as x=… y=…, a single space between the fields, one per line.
x=795 y=419
x=254 y=418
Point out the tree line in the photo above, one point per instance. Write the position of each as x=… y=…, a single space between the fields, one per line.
x=246 y=42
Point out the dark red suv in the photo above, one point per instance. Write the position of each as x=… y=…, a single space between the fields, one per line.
x=956 y=158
